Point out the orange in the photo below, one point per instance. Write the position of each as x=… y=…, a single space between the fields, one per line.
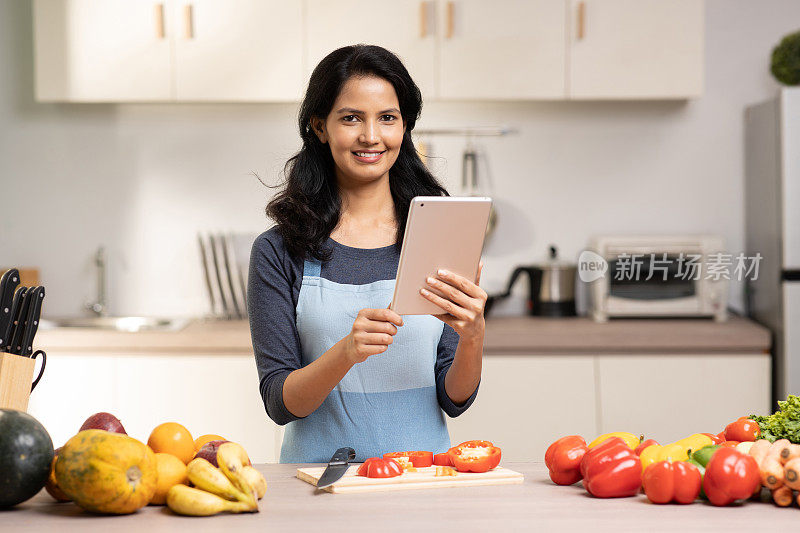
x=199 y=441
x=172 y=438
x=171 y=471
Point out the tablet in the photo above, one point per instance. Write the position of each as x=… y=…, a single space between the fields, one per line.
x=441 y=232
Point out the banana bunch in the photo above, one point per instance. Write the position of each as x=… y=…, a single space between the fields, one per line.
x=235 y=486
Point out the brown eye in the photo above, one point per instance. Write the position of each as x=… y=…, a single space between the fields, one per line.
x=350 y=118
x=388 y=118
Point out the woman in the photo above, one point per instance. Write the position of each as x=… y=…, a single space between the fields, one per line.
x=334 y=362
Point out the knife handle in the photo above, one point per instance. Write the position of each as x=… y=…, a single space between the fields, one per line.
x=17 y=319
x=343 y=456
x=36 y=297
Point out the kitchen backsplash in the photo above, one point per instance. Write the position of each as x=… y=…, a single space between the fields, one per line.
x=144 y=179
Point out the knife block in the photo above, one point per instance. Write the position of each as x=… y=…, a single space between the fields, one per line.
x=16 y=375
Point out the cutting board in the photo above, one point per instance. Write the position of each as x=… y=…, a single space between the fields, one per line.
x=423 y=478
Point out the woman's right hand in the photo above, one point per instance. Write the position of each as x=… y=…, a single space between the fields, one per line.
x=372 y=333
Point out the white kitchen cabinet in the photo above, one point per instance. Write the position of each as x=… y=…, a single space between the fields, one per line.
x=632 y=49
x=524 y=401
x=207 y=393
x=90 y=51
x=667 y=397
x=175 y=50
x=238 y=50
x=504 y=49
x=406 y=27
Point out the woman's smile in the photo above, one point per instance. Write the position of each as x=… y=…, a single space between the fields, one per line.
x=368 y=156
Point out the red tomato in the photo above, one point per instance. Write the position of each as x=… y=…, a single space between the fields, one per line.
x=418 y=459
x=475 y=456
x=677 y=482
x=729 y=443
x=743 y=430
x=378 y=467
x=442 y=459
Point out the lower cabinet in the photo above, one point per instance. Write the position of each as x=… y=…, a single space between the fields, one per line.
x=216 y=393
x=525 y=402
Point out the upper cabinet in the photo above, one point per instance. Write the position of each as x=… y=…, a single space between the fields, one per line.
x=184 y=50
x=406 y=27
x=89 y=51
x=636 y=49
x=502 y=49
x=238 y=50
x=264 y=50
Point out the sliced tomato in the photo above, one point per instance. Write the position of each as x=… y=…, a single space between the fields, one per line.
x=379 y=467
x=442 y=459
x=419 y=459
x=475 y=456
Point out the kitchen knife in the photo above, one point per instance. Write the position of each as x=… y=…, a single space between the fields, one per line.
x=32 y=322
x=8 y=284
x=19 y=312
x=337 y=466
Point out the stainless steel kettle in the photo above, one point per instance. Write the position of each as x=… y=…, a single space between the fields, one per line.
x=551 y=284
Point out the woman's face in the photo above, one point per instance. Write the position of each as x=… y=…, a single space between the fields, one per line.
x=364 y=130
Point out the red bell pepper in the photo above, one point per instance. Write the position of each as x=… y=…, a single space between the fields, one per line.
x=644 y=444
x=419 y=459
x=667 y=481
x=730 y=476
x=563 y=459
x=442 y=459
x=379 y=467
x=715 y=439
x=475 y=456
x=611 y=470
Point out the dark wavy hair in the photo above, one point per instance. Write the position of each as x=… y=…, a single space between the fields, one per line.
x=307 y=209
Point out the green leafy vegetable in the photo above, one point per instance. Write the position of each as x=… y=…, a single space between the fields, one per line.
x=784 y=423
x=786 y=60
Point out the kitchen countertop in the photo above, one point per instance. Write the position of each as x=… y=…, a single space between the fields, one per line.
x=504 y=335
x=535 y=505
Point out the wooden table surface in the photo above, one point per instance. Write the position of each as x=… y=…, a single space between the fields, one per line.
x=291 y=505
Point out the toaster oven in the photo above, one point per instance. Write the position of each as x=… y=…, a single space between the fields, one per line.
x=658 y=276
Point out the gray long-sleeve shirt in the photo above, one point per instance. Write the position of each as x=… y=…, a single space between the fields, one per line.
x=273 y=289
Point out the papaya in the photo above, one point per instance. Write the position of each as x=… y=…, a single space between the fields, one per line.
x=108 y=473
x=52 y=485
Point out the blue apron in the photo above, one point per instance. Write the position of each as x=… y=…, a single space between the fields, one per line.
x=386 y=403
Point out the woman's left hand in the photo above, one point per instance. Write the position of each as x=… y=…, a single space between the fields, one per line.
x=462 y=300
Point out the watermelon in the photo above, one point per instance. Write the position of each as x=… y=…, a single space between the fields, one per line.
x=26 y=452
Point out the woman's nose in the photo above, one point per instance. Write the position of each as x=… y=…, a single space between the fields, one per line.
x=369 y=134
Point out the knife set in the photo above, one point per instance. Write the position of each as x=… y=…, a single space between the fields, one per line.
x=20 y=309
x=225 y=259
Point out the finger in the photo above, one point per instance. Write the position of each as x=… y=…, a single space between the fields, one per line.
x=383 y=315
x=446 y=305
x=449 y=292
x=460 y=282
x=378 y=326
x=374 y=338
x=478 y=277
x=367 y=350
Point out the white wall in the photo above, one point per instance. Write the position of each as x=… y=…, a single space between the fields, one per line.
x=143 y=179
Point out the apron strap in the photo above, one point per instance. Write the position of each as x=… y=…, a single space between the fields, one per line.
x=312 y=268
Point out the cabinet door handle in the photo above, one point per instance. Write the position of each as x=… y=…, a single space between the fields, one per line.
x=159 y=17
x=188 y=19
x=451 y=8
x=581 y=20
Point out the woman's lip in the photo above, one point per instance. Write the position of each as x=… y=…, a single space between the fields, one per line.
x=373 y=157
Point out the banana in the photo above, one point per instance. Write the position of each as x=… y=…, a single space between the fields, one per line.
x=195 y=502
x=205 y=476
x=256 y=480
x=231 y=462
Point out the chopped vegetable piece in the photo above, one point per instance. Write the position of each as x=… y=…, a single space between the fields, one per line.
x=442 y=459
x=375 y=467
x=475 y=456
x=419 y=459
x=446 y=471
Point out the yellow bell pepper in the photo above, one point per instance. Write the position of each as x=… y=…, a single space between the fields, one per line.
x=630 y=439
x=677 y=451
